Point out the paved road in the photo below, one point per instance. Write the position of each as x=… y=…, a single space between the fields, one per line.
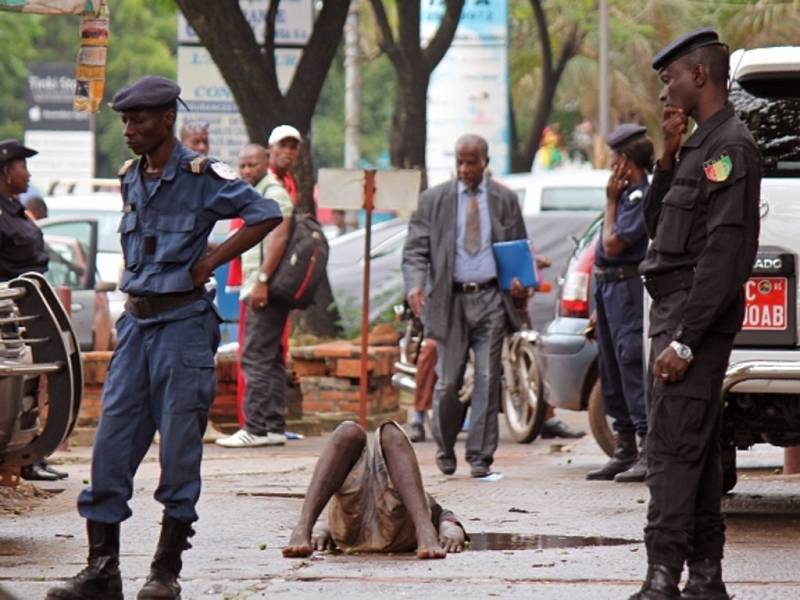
x=251 y=498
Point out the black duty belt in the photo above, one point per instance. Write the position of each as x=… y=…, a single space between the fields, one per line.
x=144 y=307
x=611 y=274
x=472 y=287
x=665 y=284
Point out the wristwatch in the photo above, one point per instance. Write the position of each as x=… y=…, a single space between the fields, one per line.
x=682 y=350
x=262 y=277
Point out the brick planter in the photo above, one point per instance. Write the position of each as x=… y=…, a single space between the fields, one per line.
x=329 y=376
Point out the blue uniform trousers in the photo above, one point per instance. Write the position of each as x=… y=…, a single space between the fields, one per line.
x=161 y=377
x=619 y=336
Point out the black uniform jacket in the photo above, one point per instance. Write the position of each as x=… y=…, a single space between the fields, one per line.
x=21 y=241
x=704 y=216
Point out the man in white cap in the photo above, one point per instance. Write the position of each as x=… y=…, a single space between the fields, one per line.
x=266 y=330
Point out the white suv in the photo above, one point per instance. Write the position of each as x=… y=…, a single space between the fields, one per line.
x=762 y=385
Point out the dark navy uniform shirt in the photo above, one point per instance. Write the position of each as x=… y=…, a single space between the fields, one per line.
x=21 y=241
x=164 y=231
x=629 y=226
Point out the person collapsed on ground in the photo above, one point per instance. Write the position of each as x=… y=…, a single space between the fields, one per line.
x=376 y=500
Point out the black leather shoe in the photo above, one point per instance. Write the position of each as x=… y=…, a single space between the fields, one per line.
x=446 y=465
x=705 y=581
x=417 y=432
x=661 y=584
x=556 y=428
x=638 y=471
x=479 y=471
x=622 y=459
x=51 y=469
x=162 y=582
x=35 y=472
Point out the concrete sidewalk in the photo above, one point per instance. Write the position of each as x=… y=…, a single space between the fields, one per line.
x=251 y=499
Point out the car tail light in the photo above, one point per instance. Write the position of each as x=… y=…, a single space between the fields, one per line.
x=577 y=284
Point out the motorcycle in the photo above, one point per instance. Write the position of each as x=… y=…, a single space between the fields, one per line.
x=36 y=340
x=522 y=399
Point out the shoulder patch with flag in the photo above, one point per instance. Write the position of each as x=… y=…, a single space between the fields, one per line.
x=719 y=169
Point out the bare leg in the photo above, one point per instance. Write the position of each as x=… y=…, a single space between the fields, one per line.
x=401 y=463
x=335 y=462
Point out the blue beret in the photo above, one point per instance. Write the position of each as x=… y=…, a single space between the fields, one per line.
x=625 y=133
x=683 y=45
x=149 y=92
x=13 y=150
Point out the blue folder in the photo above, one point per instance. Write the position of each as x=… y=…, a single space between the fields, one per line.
x=515 y=259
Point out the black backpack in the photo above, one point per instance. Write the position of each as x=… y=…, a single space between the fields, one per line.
x=303 y=265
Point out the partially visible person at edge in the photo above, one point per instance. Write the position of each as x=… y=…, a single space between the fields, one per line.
x=703 y=218
x=194 y=136
x=161 y=376
x=35 y=208
x=619 y=301
x=377 y=500
x=449 y=245
x=21 y=248
x=266 y=333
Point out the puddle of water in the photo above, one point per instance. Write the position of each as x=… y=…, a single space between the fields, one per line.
x=515 y=541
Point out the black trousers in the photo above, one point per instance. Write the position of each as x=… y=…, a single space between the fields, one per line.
x=264 y=370
x=684 y=471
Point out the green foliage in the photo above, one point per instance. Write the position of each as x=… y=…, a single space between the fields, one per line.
x=16 y=31
x=142 y=43
x=377 y=101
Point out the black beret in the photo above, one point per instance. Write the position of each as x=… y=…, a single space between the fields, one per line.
x=13 y=150
x=625 y=133
x=683 y=45
x=149 y=92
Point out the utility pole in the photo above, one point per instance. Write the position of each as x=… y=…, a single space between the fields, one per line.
x=603 y=100
x=352 y=88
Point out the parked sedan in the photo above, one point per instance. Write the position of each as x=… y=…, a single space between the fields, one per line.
x=568 y=359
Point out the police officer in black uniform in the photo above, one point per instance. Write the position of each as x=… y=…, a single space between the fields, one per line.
x=619 y=298
x=161 y=376
x=21 y=241
x=702 y=215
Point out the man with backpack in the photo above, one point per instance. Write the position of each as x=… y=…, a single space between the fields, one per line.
x=263 y=357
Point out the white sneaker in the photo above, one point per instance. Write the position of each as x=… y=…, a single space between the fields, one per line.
x=243 y=439
x=276 y=439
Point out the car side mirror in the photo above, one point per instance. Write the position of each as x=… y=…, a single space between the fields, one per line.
x=105 y=286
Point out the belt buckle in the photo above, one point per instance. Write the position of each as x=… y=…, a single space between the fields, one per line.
x=471 y=287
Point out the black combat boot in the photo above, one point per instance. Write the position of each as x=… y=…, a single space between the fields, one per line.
x=162 y=583
x=621 y=460
x=661 y=584
x=705 y=581
x=638 y=471
x=101 y=579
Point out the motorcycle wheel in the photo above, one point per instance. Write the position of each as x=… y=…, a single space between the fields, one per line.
x=598 y=421
x=523 y=400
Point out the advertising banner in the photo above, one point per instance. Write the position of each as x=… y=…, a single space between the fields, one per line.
x=63 y=136
x=468 y=91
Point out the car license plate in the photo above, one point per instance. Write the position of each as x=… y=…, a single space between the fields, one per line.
x=766 y=304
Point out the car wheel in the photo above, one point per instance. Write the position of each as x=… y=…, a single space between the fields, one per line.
x=599 y=422
x=729 y=476
x=523 y=399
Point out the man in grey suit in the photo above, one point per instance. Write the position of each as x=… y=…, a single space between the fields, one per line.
x=450 y=274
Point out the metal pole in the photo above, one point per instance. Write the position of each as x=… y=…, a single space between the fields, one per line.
x=352 y=86
x=369 y=195
x=603 y=100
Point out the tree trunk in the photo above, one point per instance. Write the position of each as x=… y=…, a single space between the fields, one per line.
x=408 y=136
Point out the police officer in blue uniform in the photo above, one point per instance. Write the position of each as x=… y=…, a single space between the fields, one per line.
x=619 y=301
x=702 y=214
x=161 y=376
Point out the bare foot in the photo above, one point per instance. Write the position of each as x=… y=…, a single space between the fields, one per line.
x=429 y=547
x=299 y=545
